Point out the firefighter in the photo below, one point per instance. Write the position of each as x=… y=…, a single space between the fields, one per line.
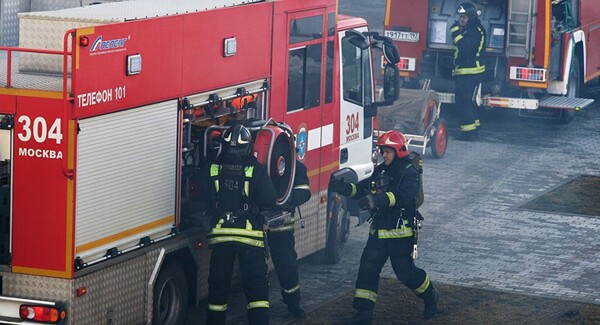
x=390 y=194
x=281 y=244
x=469 y=38
x=238 y=188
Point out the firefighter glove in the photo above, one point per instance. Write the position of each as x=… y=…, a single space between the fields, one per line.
x=367 y=202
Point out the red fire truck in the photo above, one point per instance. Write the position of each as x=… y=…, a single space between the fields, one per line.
x=107 y=110
x=539 y=54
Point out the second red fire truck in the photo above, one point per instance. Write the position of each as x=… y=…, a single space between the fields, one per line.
x=539 y=56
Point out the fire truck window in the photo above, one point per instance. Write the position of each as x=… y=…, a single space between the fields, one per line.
x=306 y=29
x=330 y=24
x=304 y=77
x=329 y=73
x=351 y=72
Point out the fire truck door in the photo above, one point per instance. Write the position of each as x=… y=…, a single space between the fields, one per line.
x=356 y=127
x=310 y=105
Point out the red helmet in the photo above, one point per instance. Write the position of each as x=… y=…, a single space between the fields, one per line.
x=394 y=139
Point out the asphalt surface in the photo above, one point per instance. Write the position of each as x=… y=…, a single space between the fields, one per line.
x=475 y=234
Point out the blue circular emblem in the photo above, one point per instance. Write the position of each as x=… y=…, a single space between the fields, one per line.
x=301 y=142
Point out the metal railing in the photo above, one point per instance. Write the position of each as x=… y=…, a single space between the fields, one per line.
x=65 y=53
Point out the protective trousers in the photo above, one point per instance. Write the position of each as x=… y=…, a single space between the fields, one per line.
x=283 y=255
x=374 y=256
x=463 y=98
x=253 y=268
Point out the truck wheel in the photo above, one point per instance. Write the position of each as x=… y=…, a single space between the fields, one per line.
x=439 y=140
x=573 y=89
x=170 y=298
x=338 y=232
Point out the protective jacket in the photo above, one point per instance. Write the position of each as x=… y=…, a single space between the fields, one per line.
x=469 y=45
x=395 y=187
x=240 y=186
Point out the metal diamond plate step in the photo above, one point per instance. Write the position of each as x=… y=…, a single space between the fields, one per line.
x=559 y=102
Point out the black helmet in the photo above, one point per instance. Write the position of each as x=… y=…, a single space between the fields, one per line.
x=237 y=140
x=468 y=9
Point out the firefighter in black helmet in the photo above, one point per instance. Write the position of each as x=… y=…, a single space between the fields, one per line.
x=390 y=195
x=469 y=38
x=238 y=187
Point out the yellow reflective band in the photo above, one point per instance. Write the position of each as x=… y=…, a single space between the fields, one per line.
x=292 y=290
x=365 y=294
x=286 y=227
x=455 y=28
x=249 y=225
x=353 y=193
x=480 y=41
x=248 y=170
x=258 y=304
x=402 y=232
x=243 y=240
x=219 y=223
x=214 y=170
x=423 y=286
x=457 y=38
x=236 y=232
x=477 y=123
x=468 y=127
x=212 y=307
x=302 y=187
x=464 y=71
x=392 y=198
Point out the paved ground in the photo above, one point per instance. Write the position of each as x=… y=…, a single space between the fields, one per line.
x=474 y=234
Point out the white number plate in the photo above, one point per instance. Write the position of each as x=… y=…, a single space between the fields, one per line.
x=412 y=37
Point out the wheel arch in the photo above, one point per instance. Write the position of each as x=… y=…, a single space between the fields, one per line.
x=187 y=262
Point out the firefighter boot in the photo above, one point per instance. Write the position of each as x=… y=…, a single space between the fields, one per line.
x=297 y=311
x=430 y=298
x=362 y=317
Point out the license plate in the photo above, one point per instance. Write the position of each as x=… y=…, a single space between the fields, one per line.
x=412 y=37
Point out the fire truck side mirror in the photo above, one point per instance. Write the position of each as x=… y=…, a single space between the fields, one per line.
x=390 y=51
x=357 y=39
x=391 y=83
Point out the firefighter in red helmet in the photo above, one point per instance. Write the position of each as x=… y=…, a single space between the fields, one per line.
x=469 y=39
x=238 y=187
x=390 y=195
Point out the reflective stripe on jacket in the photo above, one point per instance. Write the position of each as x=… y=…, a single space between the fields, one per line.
x=248 y=235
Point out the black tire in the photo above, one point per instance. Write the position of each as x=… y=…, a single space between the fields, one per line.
x=170 y=300
x=338 y=232
x=573 y=90
x=439 y=140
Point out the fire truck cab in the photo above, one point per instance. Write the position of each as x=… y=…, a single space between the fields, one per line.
x=539 y=55
x=108 y=110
